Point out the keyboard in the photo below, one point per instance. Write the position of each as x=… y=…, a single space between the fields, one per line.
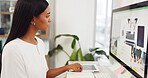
x=102 y=75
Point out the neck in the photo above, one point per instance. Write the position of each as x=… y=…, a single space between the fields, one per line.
x=30 y=35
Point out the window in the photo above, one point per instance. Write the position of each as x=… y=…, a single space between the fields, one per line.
x=103 y=24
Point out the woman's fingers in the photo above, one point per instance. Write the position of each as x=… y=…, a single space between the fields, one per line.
x=78 y=67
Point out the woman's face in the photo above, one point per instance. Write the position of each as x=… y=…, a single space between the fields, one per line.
x=43 y=20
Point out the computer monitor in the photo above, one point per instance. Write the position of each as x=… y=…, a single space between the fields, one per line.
x=129 y=38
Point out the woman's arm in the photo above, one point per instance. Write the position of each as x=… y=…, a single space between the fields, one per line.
x=54 y=72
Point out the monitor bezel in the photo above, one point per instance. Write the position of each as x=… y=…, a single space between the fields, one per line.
x=133 y=6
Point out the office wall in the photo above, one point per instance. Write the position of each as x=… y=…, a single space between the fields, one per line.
x=74 y=17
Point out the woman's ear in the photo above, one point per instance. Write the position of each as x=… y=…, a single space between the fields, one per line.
x=33 y=21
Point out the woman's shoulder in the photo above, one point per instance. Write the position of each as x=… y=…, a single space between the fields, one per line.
x=13 y=43
x=12 y=47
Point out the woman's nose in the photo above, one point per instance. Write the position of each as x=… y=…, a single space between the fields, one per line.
x=49 y=20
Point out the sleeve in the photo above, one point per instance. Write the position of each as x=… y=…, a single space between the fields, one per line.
x=12 y=63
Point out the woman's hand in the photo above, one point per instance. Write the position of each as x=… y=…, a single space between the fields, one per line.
x=55 y=72
x=76 y=67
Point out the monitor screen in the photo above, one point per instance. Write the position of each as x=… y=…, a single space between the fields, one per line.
x=129 y=37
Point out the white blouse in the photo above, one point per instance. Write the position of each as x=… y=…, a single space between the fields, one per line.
x=24 y=60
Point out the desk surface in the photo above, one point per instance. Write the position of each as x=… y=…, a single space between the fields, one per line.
x=111 y=70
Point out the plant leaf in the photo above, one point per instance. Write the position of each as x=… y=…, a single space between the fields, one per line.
x=76 y=37
x=50 y=53
x=83 y=59
x=62 y=35
x=93 y=49
x=80 y=57
x=101 y=52
x=74 y=55
x=66 y=62
x=73 y=43
x=89 y=57
x=69 y=35
x=107 y=56
x=59 y=47
x=57 y=37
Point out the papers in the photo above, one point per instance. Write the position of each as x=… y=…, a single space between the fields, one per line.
x=120 y=71
x=79 y=75
x=117 y=68
x=125 y=75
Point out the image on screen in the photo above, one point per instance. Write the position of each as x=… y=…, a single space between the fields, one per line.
x=140 y=37
x=129 y=38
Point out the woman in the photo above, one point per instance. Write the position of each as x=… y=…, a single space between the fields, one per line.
x=23 y=53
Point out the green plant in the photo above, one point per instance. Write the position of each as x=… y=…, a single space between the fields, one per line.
x=93 y=51
x=77 y=52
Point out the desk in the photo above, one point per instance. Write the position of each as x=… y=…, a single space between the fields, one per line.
x=104 y=69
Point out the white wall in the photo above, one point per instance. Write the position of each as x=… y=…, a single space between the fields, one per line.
x=74 y=17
